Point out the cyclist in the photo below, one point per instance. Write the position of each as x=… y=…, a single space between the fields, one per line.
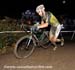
x=47 y=18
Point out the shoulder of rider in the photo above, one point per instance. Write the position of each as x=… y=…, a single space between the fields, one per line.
x=47 y=16
x=44 y=18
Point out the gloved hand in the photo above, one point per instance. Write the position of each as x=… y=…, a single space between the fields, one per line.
x=35 y=28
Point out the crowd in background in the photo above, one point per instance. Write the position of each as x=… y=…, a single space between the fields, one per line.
x=31 y=17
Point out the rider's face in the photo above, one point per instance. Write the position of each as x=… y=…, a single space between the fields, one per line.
x=40 y=12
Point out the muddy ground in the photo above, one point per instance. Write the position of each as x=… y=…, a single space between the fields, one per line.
x=42 y=59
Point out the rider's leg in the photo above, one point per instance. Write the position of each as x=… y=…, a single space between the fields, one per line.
x=53 y=41
x=51 y=37
x=58 y=29
x=61 y=40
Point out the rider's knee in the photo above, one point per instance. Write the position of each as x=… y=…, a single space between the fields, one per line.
x=53 y=39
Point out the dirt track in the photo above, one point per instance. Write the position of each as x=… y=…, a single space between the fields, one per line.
x=62 y=59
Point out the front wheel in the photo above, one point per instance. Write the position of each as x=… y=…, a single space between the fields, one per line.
x=24 y=47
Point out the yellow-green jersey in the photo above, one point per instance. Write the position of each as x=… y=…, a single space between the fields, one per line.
x=50 y=19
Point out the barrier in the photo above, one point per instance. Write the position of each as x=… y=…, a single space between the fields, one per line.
x=24 y=32
x=70 y=32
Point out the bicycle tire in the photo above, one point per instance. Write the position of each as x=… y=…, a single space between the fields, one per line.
x=44 y=41
x=18 y=47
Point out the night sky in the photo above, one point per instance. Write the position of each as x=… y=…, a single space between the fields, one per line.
x=14 y=8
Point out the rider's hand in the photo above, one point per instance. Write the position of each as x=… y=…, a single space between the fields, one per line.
x=35 y=28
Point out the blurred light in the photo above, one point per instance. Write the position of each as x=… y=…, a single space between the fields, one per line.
x=64 y=1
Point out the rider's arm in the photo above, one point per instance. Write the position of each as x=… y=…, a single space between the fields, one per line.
x=43 y=24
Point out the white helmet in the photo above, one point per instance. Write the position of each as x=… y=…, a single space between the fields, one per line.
x=40 y=7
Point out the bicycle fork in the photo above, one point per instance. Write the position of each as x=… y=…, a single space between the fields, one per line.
x=29 y=41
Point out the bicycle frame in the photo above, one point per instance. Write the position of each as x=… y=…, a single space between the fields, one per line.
x=34 y=38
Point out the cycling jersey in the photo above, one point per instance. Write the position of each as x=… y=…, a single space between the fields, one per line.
x=50 y=19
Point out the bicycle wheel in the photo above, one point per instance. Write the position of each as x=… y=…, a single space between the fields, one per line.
x=24 y=47
x=44 y=40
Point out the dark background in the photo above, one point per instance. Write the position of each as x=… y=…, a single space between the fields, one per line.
x=14 y=8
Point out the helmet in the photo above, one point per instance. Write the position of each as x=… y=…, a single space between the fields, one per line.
x=40 y=7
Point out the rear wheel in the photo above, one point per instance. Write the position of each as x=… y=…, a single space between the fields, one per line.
x=44 y=40
x=24 y=47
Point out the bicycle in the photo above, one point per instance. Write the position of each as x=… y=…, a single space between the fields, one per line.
x=26 y=44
